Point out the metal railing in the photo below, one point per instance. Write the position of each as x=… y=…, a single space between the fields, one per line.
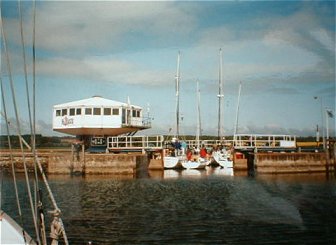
x=144 y=122
x=240 y=141
x=245 y=141
x=208 y=143
x=135 y=142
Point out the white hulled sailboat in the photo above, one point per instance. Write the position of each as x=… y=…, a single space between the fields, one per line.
x=197 y=162
x=221 y=156
x=174 y=157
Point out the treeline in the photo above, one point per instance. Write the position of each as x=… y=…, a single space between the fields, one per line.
x=41 y=141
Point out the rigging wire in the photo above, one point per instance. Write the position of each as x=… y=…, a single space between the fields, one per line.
x=220 y=96
x=11 y=152
x=19 y=128
x=36 y=185
x=56 y=212
x=33 y=133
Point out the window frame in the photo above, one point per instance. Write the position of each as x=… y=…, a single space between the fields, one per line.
x=72 y=112
x=106 y=109
x=97 y=111
x=64 y=112
x=115 y=110
x=80 y=111
x=88 y=111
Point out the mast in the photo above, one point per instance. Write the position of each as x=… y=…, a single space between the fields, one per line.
x=198 y=132
x=237 y=111
x=237 y=114
x=177 y=88
x=220 y=96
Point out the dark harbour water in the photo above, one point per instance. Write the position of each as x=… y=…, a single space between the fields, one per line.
x=204 y=207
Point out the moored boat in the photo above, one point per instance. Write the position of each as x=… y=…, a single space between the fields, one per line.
x=172 y=162
x=222 y=158
x=199 y=163
x=11 y=232
x=175 y=156
x=200 y=160
x=220 y=155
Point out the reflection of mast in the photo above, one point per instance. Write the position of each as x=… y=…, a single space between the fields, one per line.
x=220 y=96
x=237 y=111
x=177 y=88
x=198 y=132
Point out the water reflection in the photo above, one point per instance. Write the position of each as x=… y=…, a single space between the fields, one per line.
x=190 y=173
x=220 y=171
x=192 y=207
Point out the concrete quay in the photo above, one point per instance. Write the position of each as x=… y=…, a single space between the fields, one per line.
x=66 y=162
x=63 y=161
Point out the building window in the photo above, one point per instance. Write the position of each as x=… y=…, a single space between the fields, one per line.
x=96 y=111
x=133 y=113
x=138 y=114
x=115 y=111
x=107 y=111
x=123 y=115
x=58 y=113
x=72 y=111
x=79 y=111
x=64 y=112
x=88 y=111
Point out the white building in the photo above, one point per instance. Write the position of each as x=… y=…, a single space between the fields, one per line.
x=97 y=116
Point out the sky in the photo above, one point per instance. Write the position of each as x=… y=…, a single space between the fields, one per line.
x=283 y=53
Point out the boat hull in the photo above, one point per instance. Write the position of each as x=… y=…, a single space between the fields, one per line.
x=200 y=163
x=222 y=160
x=193 y=165
x=11 y=232
x=171 y=162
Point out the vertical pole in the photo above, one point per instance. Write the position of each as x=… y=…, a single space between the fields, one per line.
x=327 y=124
x=198 y=131
x=237 y=114
x=322 y=123
x=317 y=136
x=177 y=88
x=220 y=95
x=83 y=154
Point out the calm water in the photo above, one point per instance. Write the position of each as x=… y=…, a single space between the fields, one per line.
x=192 y=207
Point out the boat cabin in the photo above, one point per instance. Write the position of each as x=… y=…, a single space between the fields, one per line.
x=98 y=116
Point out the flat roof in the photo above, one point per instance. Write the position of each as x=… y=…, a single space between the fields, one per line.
x=95 y=101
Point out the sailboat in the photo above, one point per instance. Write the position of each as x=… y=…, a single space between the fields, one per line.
x=197 y=162
x=221 y=156
x=10 y=231
x=174 y=156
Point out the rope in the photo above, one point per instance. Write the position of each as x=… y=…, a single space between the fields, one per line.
x=11 y=154
x=25 y=66
x=37 y=160
x=39 y=165
x=19 y=128
x=36 y=201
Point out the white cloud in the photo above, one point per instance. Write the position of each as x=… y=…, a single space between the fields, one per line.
x=325 y=38
x=101 y=69
x=102 y=25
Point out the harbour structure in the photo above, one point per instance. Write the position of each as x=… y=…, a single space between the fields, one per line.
x=262 y=156
x=98 y=116
x=94 y=119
